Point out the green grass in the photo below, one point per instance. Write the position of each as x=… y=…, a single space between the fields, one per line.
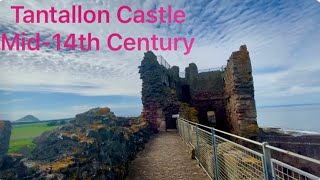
x=22 y=135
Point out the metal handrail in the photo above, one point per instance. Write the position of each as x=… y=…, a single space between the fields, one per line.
x=296 y=169
x=224 y=159
x=293 y=154
x=183 y=73
x=212 y=69
x=226 y=133
x=163 y=62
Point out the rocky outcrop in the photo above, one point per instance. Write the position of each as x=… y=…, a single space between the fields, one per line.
x=5 y=132
x=95 y=145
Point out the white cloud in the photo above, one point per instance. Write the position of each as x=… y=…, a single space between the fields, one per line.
x=12 y=101
x=280 y=35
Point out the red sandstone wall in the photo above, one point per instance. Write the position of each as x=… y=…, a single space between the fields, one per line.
x=239 y=93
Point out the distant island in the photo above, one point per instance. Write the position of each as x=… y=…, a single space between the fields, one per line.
x=28 y=118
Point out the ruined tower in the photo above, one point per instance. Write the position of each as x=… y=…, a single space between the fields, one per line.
x=239 y=94
x=222 y=98
x=158 y=92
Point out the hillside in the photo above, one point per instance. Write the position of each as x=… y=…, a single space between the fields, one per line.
x=28 y=118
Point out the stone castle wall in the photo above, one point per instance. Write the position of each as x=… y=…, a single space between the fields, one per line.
x=206 y=94
x=227 y=94
x=159 y=97
x=239 y=94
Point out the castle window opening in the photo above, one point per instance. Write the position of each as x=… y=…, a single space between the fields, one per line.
x=211 y=117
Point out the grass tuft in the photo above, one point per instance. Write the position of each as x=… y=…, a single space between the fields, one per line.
x=22 y=135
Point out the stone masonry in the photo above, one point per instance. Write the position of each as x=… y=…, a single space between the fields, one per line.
x=158 y=95
x=5 y=132
x=227 y=93
x=239 y=94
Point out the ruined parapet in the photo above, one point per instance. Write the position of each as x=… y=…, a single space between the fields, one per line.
x=175 y=72
x=207 y=95
x=5 y=132
x=191 y=72
x=159 y=92
x=207 y=85
x=239 y=92
x=223 y=99
x=155 y=90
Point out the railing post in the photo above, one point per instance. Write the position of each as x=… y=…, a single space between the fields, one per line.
x=184 y=131
x=267 y=166
x=181 y=129
x=189 y=133
x=182 y=125
x=215 y=155
x=178 y=125
x=197 y=146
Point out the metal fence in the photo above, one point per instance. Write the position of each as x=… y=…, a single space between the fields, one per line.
x=224 y=156
x=163 y=62
x=212 y=69
x=183 y=73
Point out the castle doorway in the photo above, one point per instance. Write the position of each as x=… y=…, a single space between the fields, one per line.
x=169 y=111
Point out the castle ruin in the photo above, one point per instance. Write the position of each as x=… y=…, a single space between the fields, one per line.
x=222 y=98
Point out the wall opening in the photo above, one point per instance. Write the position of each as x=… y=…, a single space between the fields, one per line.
x=168 y=112
x=212 y=121
x=185 y=94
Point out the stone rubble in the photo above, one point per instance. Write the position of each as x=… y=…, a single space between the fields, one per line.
x=95 y=145
x=5 y=132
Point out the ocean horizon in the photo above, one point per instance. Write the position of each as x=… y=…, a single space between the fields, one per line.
x=294 y=117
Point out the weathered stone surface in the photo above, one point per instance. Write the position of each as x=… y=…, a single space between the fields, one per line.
x=239 y=92
x=95 y=145
x=5 y=132
x=228 y=94
x=158 y=92
x=189 y=113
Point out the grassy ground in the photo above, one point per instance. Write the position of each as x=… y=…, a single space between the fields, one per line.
x=23 y=134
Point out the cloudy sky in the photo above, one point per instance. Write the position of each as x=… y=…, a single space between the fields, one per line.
x=283 y=38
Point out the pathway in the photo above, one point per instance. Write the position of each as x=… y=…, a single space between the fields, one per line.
x=166 y=157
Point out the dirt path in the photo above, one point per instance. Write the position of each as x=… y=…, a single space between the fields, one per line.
x=166 y=157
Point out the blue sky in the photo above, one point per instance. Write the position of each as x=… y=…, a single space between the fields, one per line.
x=51 y=105
x=283 y=38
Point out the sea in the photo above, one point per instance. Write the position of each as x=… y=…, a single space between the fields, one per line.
x=294 y=117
